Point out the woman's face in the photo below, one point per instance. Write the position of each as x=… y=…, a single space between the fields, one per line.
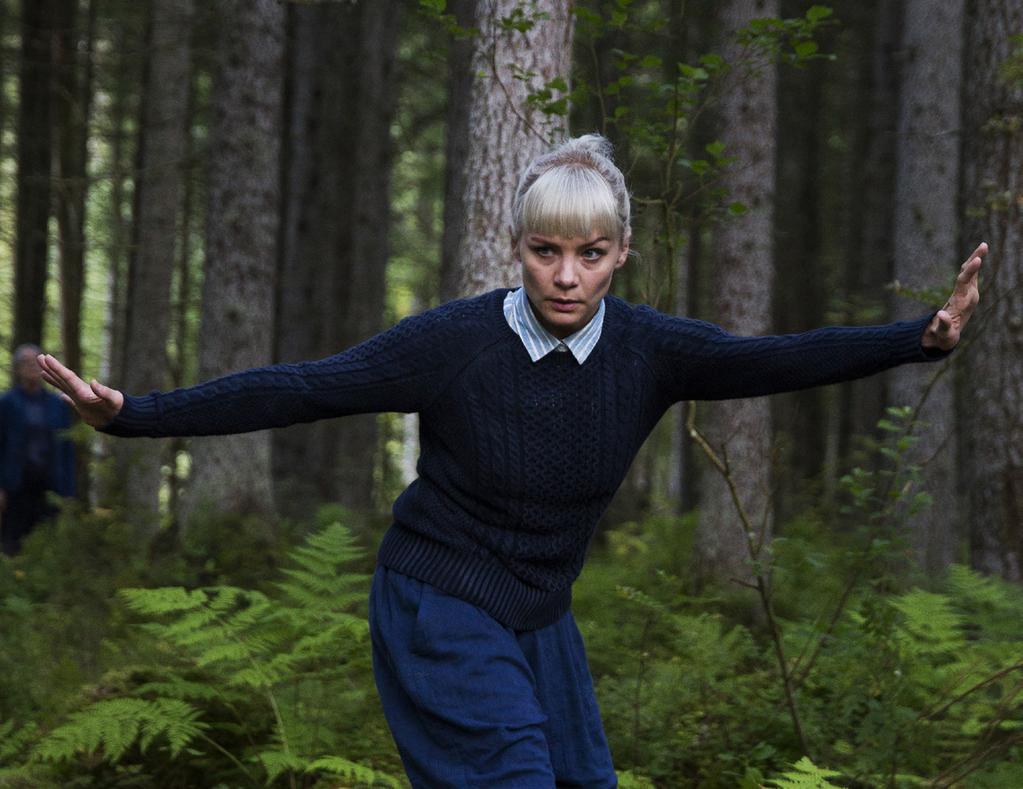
x=565 y=278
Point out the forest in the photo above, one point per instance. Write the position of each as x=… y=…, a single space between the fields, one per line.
x=814 y=589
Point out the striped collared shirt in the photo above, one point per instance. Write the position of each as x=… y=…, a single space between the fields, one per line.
x=538 y=341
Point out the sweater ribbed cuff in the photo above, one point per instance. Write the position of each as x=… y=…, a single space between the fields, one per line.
x=906 y=338
x=139 y=416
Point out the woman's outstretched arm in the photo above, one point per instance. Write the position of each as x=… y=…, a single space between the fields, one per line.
x=401 y=369
x=695 y=360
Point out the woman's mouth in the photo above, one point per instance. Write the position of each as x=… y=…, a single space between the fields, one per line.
x=564 y=305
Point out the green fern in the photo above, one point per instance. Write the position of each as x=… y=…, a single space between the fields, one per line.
x=930 y=624
x=805 y=775
x=110 y=727
x=335 y=765
x=269 y=680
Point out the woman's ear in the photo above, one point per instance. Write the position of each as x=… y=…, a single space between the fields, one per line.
x=623 y=255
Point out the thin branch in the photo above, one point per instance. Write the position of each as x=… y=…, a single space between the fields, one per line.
x=760 y=583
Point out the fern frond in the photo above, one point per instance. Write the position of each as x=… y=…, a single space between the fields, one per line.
x=177 y=688
x=13 y=740
x=982 y=590
x=930 y=624
x=352 y=771
x=165 y=600
x=277 y=762
x=805 y=775
x=114 y=725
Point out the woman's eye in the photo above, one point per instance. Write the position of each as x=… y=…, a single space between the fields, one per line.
x=593 y=254
x=542 y=251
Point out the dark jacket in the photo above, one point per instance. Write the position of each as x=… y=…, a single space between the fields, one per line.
x=61 y=473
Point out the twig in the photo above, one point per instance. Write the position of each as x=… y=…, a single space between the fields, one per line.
x=760 y=583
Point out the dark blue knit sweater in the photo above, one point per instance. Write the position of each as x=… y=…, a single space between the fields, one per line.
x=518 y=459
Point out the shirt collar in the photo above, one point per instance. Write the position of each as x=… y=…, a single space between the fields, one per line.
x=538 y=341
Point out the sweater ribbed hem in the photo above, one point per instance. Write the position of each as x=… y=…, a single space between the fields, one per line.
x=482 y=581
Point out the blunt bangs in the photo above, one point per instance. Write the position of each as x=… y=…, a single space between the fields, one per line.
x=571 y=201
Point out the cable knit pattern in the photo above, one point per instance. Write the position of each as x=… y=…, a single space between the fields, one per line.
x=519 y=459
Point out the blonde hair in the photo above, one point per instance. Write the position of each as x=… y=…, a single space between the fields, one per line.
x=573 y=190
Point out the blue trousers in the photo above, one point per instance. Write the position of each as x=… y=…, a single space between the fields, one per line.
x=472 y=703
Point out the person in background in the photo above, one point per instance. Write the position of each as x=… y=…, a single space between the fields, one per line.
x=34 y=457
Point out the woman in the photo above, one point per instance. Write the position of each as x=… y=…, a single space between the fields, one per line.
x=533 y=403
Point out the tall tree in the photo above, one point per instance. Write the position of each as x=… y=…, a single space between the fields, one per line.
x=744 y=271
x=74 y=102
x=505 y=132
x=233 y=472
x=801 y=283
x=120 y=85
x=162 y=134
x=35 y=125
x=867 y=255
x=991 y=395
x=925 y=236
x=341 y=97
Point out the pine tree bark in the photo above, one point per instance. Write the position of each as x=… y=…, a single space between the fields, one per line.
x=233 y=472
x=926 y=238
x=744 y=272
x=35 y=124
x=117 y=242
x=991 y=388
x=799 y=297
x=342 y=93
x=456 y=147
x=74 y=103
x=162 y=137
x=74 y=100
x=505 y=133
x=868 y=253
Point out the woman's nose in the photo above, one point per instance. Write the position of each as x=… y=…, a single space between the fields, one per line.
x=565 y=274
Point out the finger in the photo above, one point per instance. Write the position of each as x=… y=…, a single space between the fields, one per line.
x=944 y=322
x=106 y=393
x=52 y=379
x=74 y=385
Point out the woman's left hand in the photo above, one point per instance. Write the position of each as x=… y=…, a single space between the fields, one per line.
x=947 y=325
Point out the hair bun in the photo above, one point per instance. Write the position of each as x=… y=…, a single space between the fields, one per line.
x=596 y=143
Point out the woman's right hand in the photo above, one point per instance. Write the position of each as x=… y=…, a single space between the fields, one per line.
x=95 y=403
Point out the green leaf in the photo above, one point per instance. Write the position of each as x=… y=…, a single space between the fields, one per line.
x=737 y=208
x=806 y=48
x=715 y=148
x=816 y=13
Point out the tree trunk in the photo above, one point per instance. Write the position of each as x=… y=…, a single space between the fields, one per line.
x=925 y=246
x=991 y=395
x=799 y=298
x=505 y=133
x=35 y=123
x=456 y=147
x=116 y=248
x=868 y=255
x=233 y=472
x=74 y=101
x=744 y=269
x=158 y=196
x=341 y=101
